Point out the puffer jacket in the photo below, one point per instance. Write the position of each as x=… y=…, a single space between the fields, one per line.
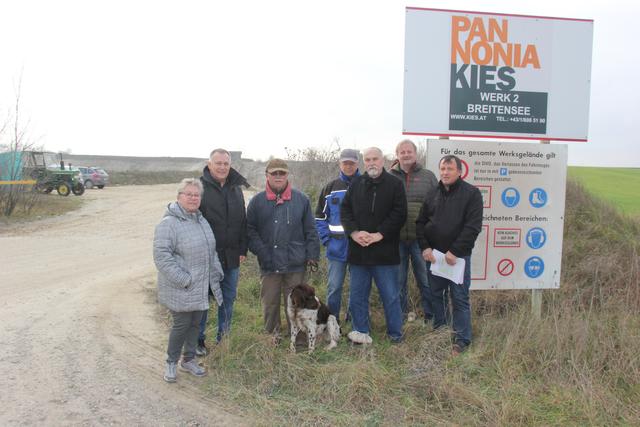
x=418 y=183
x=186 y=259
x=328 y=223
x=282 y=231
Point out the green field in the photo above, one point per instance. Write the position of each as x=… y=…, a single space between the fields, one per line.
x=620 y=186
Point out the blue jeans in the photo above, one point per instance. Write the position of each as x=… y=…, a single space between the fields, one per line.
x=460 y=305
x=411 y=250
x=229 y=287
x=337 y=272
x=360 y=289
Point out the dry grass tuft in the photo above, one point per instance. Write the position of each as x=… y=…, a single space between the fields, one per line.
x=578 y=365
x=36 y=206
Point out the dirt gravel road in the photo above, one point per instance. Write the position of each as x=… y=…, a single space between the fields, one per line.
x=82 y=339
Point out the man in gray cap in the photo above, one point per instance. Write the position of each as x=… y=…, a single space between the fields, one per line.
x=330 y=229
x=282 y=234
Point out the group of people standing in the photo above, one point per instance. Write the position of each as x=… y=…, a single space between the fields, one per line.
x=373 y=224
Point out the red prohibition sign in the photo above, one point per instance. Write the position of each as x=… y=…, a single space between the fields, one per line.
x=505 y=267
x=465 y=169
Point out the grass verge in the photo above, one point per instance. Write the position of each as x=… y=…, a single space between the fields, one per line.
x=579 y=365
x=43 y=206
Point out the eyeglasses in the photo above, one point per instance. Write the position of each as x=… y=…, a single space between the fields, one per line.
x=194 y=195
x=278 y=173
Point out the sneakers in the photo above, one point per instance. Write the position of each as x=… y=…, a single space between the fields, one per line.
x=170 y=372
x=193 y=368
x=201 y=349
x=359 y=337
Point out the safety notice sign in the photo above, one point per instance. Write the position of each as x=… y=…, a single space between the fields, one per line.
x=523 y=189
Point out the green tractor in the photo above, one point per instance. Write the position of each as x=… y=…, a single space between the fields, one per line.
x=49 y=172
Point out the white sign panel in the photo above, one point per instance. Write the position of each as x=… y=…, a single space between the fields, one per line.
x=523 y=189
x=495 y=75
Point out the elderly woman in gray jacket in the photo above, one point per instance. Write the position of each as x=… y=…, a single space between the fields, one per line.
x=184 y=251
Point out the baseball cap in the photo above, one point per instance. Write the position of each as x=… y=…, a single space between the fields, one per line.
x=277 y=165
x=349 y=154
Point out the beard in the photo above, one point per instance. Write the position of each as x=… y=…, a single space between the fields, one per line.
x=373 y=171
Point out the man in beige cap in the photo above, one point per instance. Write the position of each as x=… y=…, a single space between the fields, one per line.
x=282 y=234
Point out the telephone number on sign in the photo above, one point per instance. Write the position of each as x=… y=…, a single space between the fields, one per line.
x=526 y=120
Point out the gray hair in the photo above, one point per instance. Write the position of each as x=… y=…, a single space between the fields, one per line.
x=366 y=150
x=221 y=151
x=406 y=141
x=190 y=181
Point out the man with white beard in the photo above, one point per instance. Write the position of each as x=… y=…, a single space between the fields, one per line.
x=373 y=211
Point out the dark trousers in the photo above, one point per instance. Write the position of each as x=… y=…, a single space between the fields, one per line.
x=184 y=333
x=460 y=306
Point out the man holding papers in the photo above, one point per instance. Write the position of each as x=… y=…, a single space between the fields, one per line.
x=447 y=227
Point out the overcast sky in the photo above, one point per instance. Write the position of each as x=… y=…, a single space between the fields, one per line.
x=181 y=78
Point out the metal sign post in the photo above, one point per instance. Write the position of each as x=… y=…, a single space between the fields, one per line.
x=536 y=294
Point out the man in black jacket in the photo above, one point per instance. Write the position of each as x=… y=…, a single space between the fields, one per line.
x=373 y=212
x=450 y=221
x=223 y=207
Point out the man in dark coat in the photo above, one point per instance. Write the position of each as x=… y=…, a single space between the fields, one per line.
x=418 y=182
x=282 y=234
x=449 y=222
x=223 y=207
x=373 y=212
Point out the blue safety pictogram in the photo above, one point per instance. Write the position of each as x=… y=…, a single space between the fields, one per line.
x=534 y=267
x=538 y=197
x=510 y=197
x=536 y=238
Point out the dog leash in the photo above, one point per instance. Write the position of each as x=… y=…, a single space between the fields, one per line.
x=310 y=268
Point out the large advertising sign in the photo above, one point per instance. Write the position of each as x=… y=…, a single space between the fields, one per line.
x=523 y=189
x=496 y=75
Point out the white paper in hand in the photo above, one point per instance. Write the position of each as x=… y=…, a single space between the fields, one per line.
x=455 y=272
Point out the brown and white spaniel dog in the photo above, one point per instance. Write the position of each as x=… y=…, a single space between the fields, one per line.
x=308 y=314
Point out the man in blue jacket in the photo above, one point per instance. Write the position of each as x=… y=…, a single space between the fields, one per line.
x=282 y=234
x=330 y=228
